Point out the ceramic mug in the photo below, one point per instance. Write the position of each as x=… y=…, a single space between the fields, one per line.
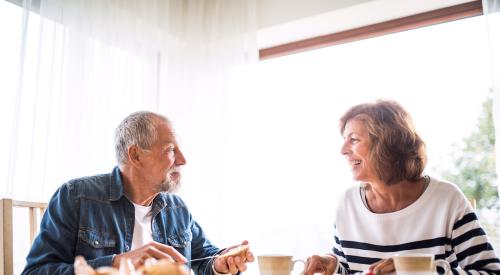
x=274 y=264
x=418 y=264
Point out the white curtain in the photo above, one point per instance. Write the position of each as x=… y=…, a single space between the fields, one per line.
x=199 y=76
x=84 y=65
x=75 y=68
x=492 y=14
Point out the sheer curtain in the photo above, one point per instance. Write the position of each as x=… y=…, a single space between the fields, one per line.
x=72 y=88
x=492 y=14
x=78 y=67
x=199 y=76
x=83 y=65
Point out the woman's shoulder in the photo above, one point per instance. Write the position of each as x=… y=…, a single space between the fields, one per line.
x=352 y=192
x=350 y=197
x=447 y=193
x=444 y=187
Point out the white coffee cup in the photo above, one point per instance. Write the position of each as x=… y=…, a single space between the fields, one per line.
x=275 y=264
x=418 y=264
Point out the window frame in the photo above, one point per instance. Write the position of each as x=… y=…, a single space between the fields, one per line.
x=456 y=12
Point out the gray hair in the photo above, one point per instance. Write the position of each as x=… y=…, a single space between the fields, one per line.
x=139 y=129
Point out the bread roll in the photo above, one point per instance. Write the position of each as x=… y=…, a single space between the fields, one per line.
x=163 y=267
x=150 y=267
x=106 y=270
x=240 y=250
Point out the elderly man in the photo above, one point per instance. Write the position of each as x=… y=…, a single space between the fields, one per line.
x=130 y=213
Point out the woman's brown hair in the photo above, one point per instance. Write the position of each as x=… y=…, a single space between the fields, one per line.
x=398 y=152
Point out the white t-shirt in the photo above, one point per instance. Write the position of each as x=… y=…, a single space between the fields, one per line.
x=142 y=229
x=142 y=226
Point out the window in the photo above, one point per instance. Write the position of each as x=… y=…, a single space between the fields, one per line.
x=285 y=124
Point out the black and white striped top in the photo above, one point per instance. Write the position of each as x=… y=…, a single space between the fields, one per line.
x=440 y=222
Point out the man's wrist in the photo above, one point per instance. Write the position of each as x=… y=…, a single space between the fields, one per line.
x=216 y=272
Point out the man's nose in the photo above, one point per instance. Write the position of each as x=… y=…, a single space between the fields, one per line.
x=179 y=158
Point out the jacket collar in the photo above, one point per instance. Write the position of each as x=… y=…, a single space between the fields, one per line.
x=116 y=190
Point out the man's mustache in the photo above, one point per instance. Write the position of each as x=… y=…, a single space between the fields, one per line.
x=174 y=169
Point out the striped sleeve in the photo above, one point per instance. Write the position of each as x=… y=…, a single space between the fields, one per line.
x=342 y=265
x=472 y=252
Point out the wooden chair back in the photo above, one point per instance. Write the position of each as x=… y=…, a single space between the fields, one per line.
x=35 y=210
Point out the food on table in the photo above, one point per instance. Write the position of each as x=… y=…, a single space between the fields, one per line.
x=150 y=267
x=240 y=250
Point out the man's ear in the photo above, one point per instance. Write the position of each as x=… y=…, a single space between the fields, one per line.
x=134 y=155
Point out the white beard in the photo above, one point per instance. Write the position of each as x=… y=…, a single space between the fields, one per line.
x=170 y=185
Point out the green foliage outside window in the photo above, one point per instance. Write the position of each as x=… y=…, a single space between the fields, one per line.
x=474 y=171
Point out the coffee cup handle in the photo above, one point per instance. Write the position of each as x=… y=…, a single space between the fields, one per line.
x=294 y=262
x=447 y=267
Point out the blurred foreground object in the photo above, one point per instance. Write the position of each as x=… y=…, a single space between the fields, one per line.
x=151 y=267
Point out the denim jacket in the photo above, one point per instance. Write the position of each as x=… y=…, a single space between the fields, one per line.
x=91 y=217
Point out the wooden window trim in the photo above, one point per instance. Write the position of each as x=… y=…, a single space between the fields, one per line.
x=425 y=19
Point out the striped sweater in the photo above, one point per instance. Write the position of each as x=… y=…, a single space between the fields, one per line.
x=440 y=222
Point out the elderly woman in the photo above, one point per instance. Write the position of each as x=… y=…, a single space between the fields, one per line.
x=397 y=209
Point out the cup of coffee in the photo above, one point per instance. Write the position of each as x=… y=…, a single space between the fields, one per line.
x=274 y=264
x=418 y=264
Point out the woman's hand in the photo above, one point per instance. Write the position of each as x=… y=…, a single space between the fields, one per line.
x=381 y=267
x=324 y=264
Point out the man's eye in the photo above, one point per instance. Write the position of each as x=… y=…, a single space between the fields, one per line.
x=354 y=140
x=170 y=149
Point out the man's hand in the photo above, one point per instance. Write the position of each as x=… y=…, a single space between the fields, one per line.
x=324 y=264
x=233 y=264
x=151 y=250
x=381 y=267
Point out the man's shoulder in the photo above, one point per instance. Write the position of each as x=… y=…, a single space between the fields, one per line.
x=96 y=187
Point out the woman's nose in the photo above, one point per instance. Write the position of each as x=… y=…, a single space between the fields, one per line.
x=344 y=150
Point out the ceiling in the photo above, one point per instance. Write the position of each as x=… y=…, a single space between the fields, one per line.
x=284 y=21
